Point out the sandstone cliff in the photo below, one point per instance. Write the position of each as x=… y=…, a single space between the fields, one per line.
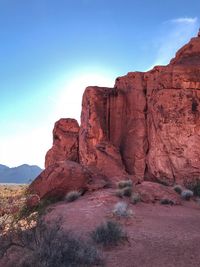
x=146 y=128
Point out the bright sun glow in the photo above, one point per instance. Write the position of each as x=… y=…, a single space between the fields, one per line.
x=69 y=101
x=33 y=142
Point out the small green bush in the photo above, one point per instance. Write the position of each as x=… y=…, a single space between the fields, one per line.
x=135 y=198
x=125 y=183
x=187 y=194
x=178 y=189
x=109 y=233
x=72 y=196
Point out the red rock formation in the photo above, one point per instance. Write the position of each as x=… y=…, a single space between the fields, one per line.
x=152 y=192
x=146 y=127
x=60 y=178
x=150 y=119
x=65 y=142
x=95 y=148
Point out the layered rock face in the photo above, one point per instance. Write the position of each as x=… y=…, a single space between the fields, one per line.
x=145 y=128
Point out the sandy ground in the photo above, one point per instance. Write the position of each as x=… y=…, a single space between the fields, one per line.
x=158 y=235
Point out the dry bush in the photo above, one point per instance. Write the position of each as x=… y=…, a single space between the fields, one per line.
x=135 y=198
x=187 y=194
x=121 y=209
x=194 y=186
x=72 y=196
x=166 y=201
x=125 y=183
x=178 y=189
x=109 y=233
x=49 y=246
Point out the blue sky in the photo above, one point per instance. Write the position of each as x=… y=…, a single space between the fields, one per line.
x=50 y=50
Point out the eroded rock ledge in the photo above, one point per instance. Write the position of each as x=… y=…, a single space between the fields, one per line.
x=145 y=128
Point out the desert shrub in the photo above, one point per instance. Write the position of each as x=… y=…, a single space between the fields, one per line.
x=187 y=194
x=135 y=198
x=49 y=246
x=119 y=193
x=72 y=196
x=121 y=209
x=178 y=189
x=127 y=191
x=109 y=233
x=194 y=186
x=166 y=201
x=41 y=209
x=125 y=183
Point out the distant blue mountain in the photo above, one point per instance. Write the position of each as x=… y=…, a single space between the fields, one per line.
x=22 y=174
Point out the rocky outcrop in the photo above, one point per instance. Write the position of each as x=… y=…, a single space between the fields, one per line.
x=95 y=147
x=65 y=142
x=150 y=119
x=60 y=178
x=153 y=192
x=145 y=128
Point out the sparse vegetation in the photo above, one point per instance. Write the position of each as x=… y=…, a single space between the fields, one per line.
x=125 y=183
x=121 y=209
x=48 y=245
x=135 y=198
x=124 y=188
x=187 y=194
x=119 y=193
x=178 y=189
x=109 y=233
x=127 y=191
x=194 y=186
x=72 y=196
x=11 y=198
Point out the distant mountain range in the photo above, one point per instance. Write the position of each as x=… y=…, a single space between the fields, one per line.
x=22 y=174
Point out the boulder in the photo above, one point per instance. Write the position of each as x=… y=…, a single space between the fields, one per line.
x=65 y=142
x=60 y=178
x=153 y=192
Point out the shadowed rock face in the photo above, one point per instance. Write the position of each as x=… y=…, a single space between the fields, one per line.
x=146 y=128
